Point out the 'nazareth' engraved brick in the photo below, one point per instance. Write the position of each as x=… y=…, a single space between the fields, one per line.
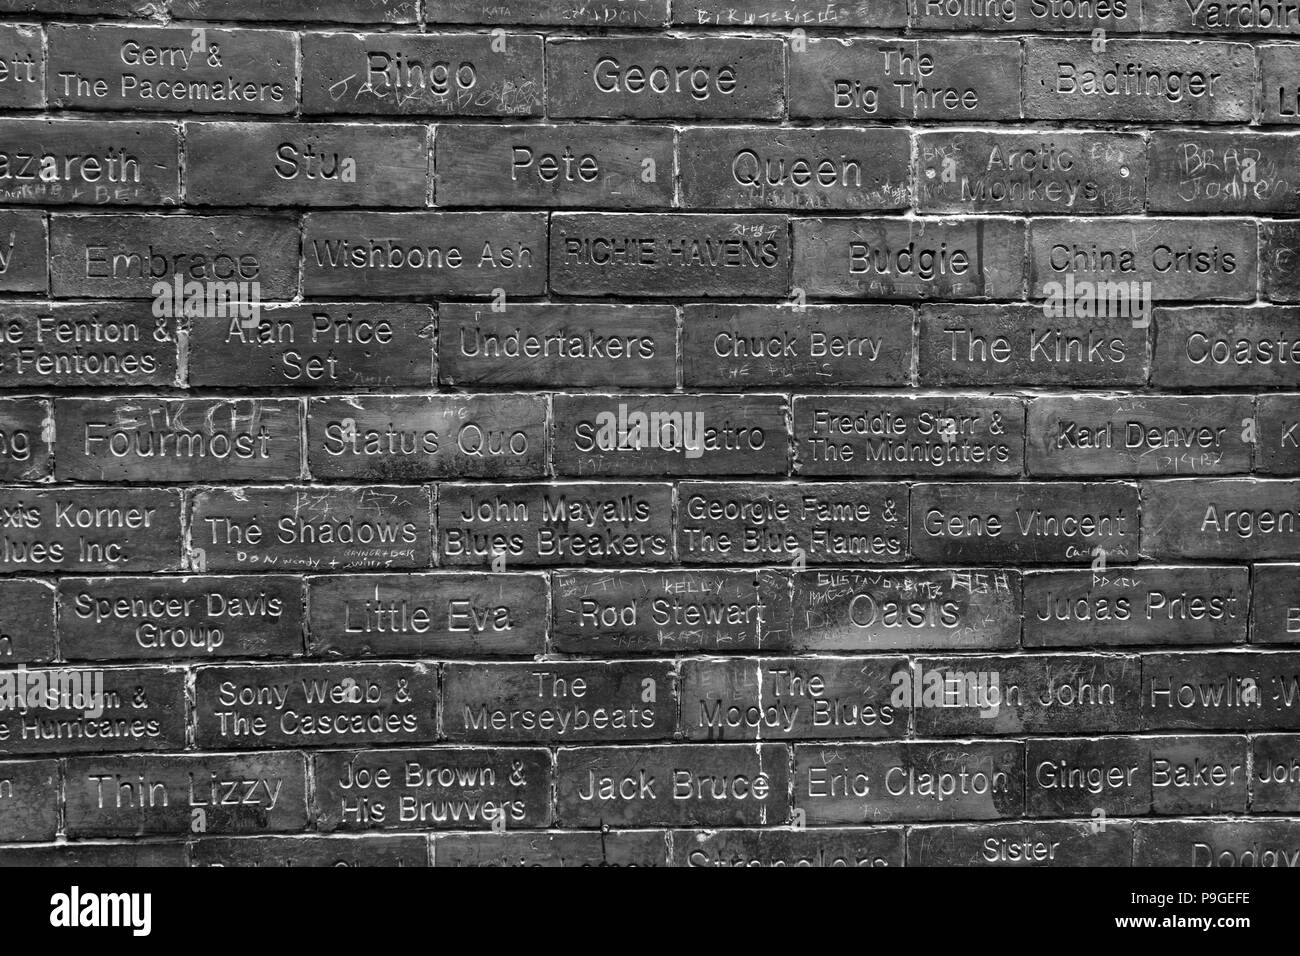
x=23 y=255
x=85 y=345
x=1279 y=256
x=1279 y=91
x=835 y=846
x=165 y=69
x=339 y=528
x=1139 y=605
x=597 y=13
x=1025 y=523
x=150 y=795
x=1275 y=773
x=522 y=848
x=548 y=344
x=26 y=439
x=667 y=435
x=678 y=77
x=669 y=254
x=1021 y=844
x=739 y=346
x=860 y=782
x=839 y=522
x=26 y=621
x=22 y=76
x=126 y=618
x=1221 y=518
x=696 y=785
x=1232 y=173
x=1135 y=81
x=417 y=437
x=90 y=529
x=114 y=855
x=1221 y=691
x=1050 y=172
x=425 y=254
x=606 y=523
x=1020 y=345
x=345 y=11
x=1114 y=16
x=306 y=164
x=439 y=614
x=408 y=74
x=313 y=705
x=1216 y=347
x=735 y=14
x=52 y=162
x=1271 y=843
x=1277 y=434
x=1216 y=17
x=29 y=798
x=554 y=166
x=887 y=434
x=1275 y=610
x=791 y=698
x=303 y=851
x=751 y=168
x=910 y=258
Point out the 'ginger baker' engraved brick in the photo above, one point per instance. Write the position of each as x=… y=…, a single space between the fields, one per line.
x=29 y=797
x=1221 y=691
x=1221 y=518
x=1223 y=346
x=26 y=621
x=621 y=848
x=1224 y=173
x=1021 y=844
x=1216 y=843
x=1279 y=253
x=85 y=345
x=24 y=243
x=1275 y=610
x=1279 y=101
x=22 y=73
x=317 y=851
x=89 y=162
x=26 y=439
x=823 y=847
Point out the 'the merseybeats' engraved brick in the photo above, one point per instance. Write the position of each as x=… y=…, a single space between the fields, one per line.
x=53 y=162
x=26 y=621
x=1217 y=347
x=1225 y=518
x=90 y=529
x=86 y=345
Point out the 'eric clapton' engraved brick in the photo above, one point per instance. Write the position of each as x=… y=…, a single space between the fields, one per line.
x=26 y=439
x=575 y=849
x=1112 y=16
x=1223 y=691
x=1225 y=173
x=834 y=846
x=745 y=14
x=1275 y=773
x=24 y=262
x=26 y=621
x=343 y=11
x=22 y=78
x=439 y=614
x=1223 y=518
x=303 y=851
x=90 y=529
x=1216 y=347
x=29 y=794
x=85 y=345
x=1279 y=100
x=1277 y=434
x=1279 y=254
x=1021 y=844
x=55 y=162
x=1275 y=610
x=1216 y=843
x=598 y=13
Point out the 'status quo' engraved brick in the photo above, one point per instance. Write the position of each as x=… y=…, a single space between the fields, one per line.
x=1225 y=173
x=85 y=162
x=824 y=847
x=1221 y=518
x=26 y=621
x=85 y=345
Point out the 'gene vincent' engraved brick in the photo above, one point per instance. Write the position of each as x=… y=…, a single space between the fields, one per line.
x=1048 y=172
x=1221 y=518
x=29 y=799
x=1275 y=610
x=85 y=345
x=553 y=166
x=24 y=241
x=1133 y=81
x=26 y=621
x=840 y=522
x=1279 y=101
x=1224 y=346
x=1201 y=171
x=89 y=162
x=430 y=253
x=1203 y=843
x=1053 y=521
x=26 y=439
x=1221 y=691
x=1021 y=845
x=90 y=529
x=22 y=67
x=567 y=344
x=667 y=435
x=314 y=705
x=306 y=164
x=828 y=847
x=151 y=795
x=1112 y=16
x=665 y=77
x=565 y=523
x=165 y=69
x=1220 y=17
x=1279 y=253
x=313 y=851
x=301 y=528
x=407 y=74
x=880 y=258
x=597 y=13
x=669 y=254
x=745 y=14
x=439 y=614
x=180 y=618
x=622 y=848
x=1120 y=606
x=411 y=438
x=1275 y=773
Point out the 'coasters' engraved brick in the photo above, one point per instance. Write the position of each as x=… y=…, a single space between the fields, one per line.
x=90 y=529
x=22 y=76
x=1275 y=763
x=1224 y=173
x=1277 y=421
x=837 y=847
x=302 y=851
x=738 y=14
x=26 y=621
x=1021 y=844
x=1216 y=347
x=344 y=11
x=1113 y=16
x=616 y=848
x=26 y=440
x=1221 y=519
x=1279 y=256
x=597 y=13
x=86 y=346
x=1275 y=610
x=53 y=162
x=1225 y=691
x=1279 y=91
x=24 y=262
x=1217 y=843
x=29 y=800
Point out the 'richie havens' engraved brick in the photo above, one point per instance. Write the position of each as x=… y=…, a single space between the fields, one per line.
x=22 y=78
x=1223 y=518
x=26 y=621
x=85 y=345
x=89 y=162
x=1229 y=173
x=1275 y=608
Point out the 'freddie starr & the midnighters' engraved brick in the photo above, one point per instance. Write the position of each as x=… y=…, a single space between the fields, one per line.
x=822 y=847
x=1221 y=691
x=1021 y=844
x=90 y=529
x=26 y=621
x=1226 y=173
x=22 y=78
x=85 y=345
x=24 y=260
x=1223 y=518
x=1279 y=101
x=30 y=797
x=620 y=848
x=1275 y=608
x=1279 y=254
x=1223 y=346
x=85 y=162
x=319 y=851
x=26 y=439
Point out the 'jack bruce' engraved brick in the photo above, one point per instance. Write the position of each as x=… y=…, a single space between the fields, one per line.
x=344 y=11
x=1275 y=610
x=598 y=13
x=881 y=258
x=439 y=614
x=1279 y=91
x=1221 y=691
x=1279 y=255
x=1221 y=518
x=22 y=76
x=85 y=345
x=26 y=439
x=90 y=529
x=1226 y=173
x=576 y=849
x=1112 y=16
x=1216 y=843
x=1021 y=844
x=829 y=847
x=1275 y=773
x=746 y=14
x=1217 y=347
x=313 y=851
x=1277 y=434
x=29 y=794
x=55 y=162
x=23 y=251
x=26 y=621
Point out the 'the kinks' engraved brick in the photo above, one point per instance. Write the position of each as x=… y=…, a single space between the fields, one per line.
x=90 y=529
x=84 y=162
x=1223 y=518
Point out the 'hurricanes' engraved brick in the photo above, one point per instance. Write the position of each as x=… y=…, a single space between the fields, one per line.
x=1279 y=91
x=90 y=529
x=439 y=614
x=85 y=345
x=1221 y=518
x=1275 y=773
x=424 y=254
x=1277 y=434
x=89 y=162
x=1270 y=843
x=602 y=524
x=1222 y=346
x=167 y=795
x=669 y=254
x=408 y=74
x=554 y=166
x=750 y=168
x=339 y=528
x=115 y=855
x=1133 y=81
x=737 y=346
x=29 y=797
x=1113 y=16
x=314 y=851
x=1279 y=255
x=26 y=621
x=1053 y=521
x=1221 y=691
x=910 y=258
x=1226 y=173
x=829 y=847
x=1218 y=18
x=344 y=11
x=24 y=263
x=1021 y=844
x=841 y=522
x=745 y=14
x=1275 y=608
x=26 y=440
x=598 y=13
x=547 y=344
x=696 y=785
x=521 y=848
x=665 y=77
x=306 y=164
x=22 y=67
x=170 y=618
x=1138 y=605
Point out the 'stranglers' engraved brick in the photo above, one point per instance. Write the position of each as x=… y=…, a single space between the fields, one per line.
x=1224 y=173
x=598 y=13
x=1277 y=430
x=746 y=14
x=57 y=162
x=24 y=260
x=29 y=794
x=523 y=848
x=1221 y=346
x=85 y=345
x=1221 y=519
x=1112 y=16
x=1221 y=691
x=1279 y=250
x=343 y=11
x=22 y=79
x=1021 y=844
x=1275 y=774
x=1275 y=608
x=26 y=440
x=26 y=621
x=90 y=529
x=313 y=851
x=1279 y=100
x=1200 y=843
x=829 y=847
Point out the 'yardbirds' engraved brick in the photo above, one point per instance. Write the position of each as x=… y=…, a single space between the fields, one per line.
x=1221 y=518
x=1225 y=173
x=85 y=345
x=90 y=529
x=1212 y=18
x=88 y=162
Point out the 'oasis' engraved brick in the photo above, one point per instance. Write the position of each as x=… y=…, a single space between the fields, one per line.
x=24 y=263
x=597 y=13
x=1202 y=171
x=1277 y=434
x=26 y=621
x=1279 y=253
x=1275 y=608
x=833 y=846
x=303 y=851
x=1115 y=16
x=90 y=529
x=26 y=439
x=1216 y=347
x=1275 y=773
x=54 y=162
x=1221 y=691
x=22 y=73
x=521 y=848
x=1279 y=91
x=344 y=11
x=1021 y=844
x=85 y=345
x=29 y=798
x=1217 y=843
x=735 y=14
x=1221 y=518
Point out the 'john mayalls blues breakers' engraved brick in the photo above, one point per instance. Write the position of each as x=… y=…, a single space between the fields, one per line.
x=1230 y=173
x=55 y=162
x=85 y=345
x=1223 y=518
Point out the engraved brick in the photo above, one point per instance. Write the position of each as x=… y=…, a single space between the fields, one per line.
x=1100 y=777
x=98 y=8
x=29 y=794
x=1216 y=347
x=26 y=440
x=1279 y=92
x=1277 y=423
x=1217 y=843
x=1216 y=18
x=1198 y=774
x=1279 y=251
x=829 y=847
x=1275 y=773
x=1021 y=844
x=1221 y=519
x=1222 y=173
x=85 y=345
x=599 y=13
x=1221 y=691
x=1275 y=608
x=56 y=162
x=22 y=81
x=616 y=848
x=1113 y=16
x=746 y=14
x=343 y=11
x=80 y=855
x=26 y=621
x=312 y=851
x=24 y=262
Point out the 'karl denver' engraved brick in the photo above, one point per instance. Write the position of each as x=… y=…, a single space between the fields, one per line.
x=23 y=258
x=1115 y=16
x=1225 y=346
x=598 y=13
x=317 y=851
x=1279 y=253
x=829 y=847
x=53 y=162
x=85 y=345
x=884 y=258
x=26 y=621
x=1221 y=518
x=1277 y=434
x=1279 y=91
x=26 y=439
x=101 y=67
x=407 y=74
x=574 y=849
x=439 y=614
x=1216 y=843
x=29 y=793
x=736 y=14
x=343 y=11
x=611 y=166
x=22 y=67
x=306 y=164
x=1021 y=844
x=1275 y=610
x=1274 y=773
x=1223 y=173
x=1221 y=691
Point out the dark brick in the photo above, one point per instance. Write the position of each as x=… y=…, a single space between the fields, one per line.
x=1279 y=253
x=107 y=344
x=343 y=11
x=1222 y=346
x=26 y=439
x=1221 y=691
x=620 y=848
x=1232 y=173
x=619 y=14
x=314 y=851
x=1021 y=844
x=22 y=79
x=24 y=263
x=1275 y=608
x=89 y=162
x=26 y=621
x=1279 y=92
x=828 y=847
x=1220 y=519
x=1245 y=843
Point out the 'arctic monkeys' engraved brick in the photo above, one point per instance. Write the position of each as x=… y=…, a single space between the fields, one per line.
x=1223 y=346
x=1221 y=518
x=1275 y=610
x=90 y=529
x=823 y=847
x=1228 y=173
x=22 y=75
x=85 y=345
x=26 y=621
x=53 y=162
x=1021 y=844
x=1224 y=691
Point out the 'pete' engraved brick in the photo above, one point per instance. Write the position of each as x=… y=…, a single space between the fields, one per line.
x=1021 y=844
x=1279 y=255
x=620 y=848
x=830 y=847
x=1221 y=518
x=737 y=14
x=53 y=162
x=1216 y=347
x=302 y=851
x=1221 y=691
x=1275 y=773
x=26 y=439
x=21 y=265
x=85 y=345
x=1271 y=843
x=1226 y=173
x=598 y=13
x=1275 y=610
x=22 y=67
x=26 y=621
x=29 y=797
x=1279 y=91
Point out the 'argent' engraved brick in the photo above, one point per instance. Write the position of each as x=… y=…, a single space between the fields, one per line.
x=1221 y=518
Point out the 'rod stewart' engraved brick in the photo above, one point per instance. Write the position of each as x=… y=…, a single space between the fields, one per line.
x=85 y=345
x=1275 y=773
x=1221 y=691
x=25 y=263
x=22 y=79
x=1279 y=251
x=746 y=14
x=832 y=846
x=1279 y=90
x=318 y=851
x=1221 y=519
x=29 y=797
x=89 y=162
x=344 y=11
x=26 y=621
x=1275 y=609
x=90 y=529
x=615 y=848
x=26 y=439
x=596 y=13
x=1220 y=346
x=1021 y=844
x=1198 y=843
x=1112 y=16
x=1199 y=171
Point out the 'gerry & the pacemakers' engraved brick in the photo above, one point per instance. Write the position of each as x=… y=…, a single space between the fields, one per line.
x=1271 y=843
x=301 y=528
x=1279 y=91
x=1279 y=253
x=24 y=262
x=695 y=785
x=1114 y=16
x=26 y=621
x=1232 y=173
x=669 y=254
x=407 y=74
x=434 y=789
x=304 y=851
x=89 y=162
x=738 y=14
x=423 y=253
x=26 y=439
x=22 y=77
x=1136 y=605
x=829 y=847
x=547 y=344
x=1021 y=844
x=90 y=529
x=102 y=67
x=439 y=614
x=621 y=848
x=1225 y=346
x=891 y=258
x=412 y=438
x=1221 y=691
x=85 y=345
x=603 y=524
x=841 y=522
x=29 y=797
x=1275 y=610
x=1221 y=518
x=174 y=794
x=1275 y=773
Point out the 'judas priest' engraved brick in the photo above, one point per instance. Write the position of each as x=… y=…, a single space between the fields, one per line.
x=1275 y=772
x=53 y=162
x=1279 y=253
x=1279 y=90
x=85 y=345
x=1217 y=843
x=1275 y=610
x=1277 y=421
x=1228 y=173
x=600 y=13
x=26 y=439
x=1216 y=347
x=21 y=266
x=439 y=614
x=1021 y=844
x=669 y=254
x=26 y=621
x=90 y=529
x=1222 y=518
x=838 y=847
x=302 y=851
x=521 y=848
x=168 y=618
x=910 y=258
x=22 y=75
x=1226 y=691
x=1112 y=16
x=29 y=795
x=737 y=14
